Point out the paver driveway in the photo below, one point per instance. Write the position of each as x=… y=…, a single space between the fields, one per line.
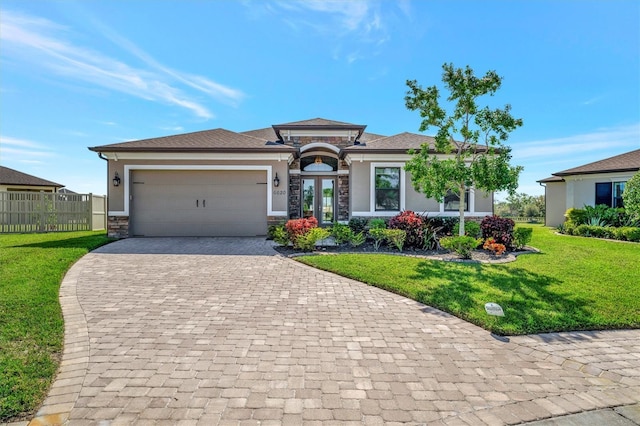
x=225 y=331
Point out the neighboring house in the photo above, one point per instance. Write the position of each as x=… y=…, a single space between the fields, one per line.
x=223 y=183
x=13 y=180
x=601 y=182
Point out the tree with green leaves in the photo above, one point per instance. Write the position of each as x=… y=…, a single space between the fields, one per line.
x=631 y=196
x=470 y=137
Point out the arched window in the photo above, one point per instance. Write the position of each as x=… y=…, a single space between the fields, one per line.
x=319 y=163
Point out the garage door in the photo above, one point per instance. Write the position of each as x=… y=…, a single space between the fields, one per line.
x=198 y=203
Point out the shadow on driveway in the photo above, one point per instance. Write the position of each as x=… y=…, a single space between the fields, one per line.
x=249 y=246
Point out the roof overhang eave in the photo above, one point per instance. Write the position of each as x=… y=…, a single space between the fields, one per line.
x=595 y=172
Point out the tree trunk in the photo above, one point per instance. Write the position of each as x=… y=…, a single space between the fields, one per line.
x=461 y=209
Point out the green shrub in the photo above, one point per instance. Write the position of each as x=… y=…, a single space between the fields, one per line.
x=357 y=239
x=522 y=237
x=569 y=228
x=308 y=240
x=600 y=215
x=358 y=224
x=628 y=233
x=280 y=235
x=271 y=229
x=395 y=237
x=377 y=223
x=575 y=216
x=462 y=245
x=378 y=236
x=631 y=197
x=341 y=233
x=594 y=231
x=471 y=229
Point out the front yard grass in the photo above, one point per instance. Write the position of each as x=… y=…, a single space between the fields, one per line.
x=575 y=283
x=31 y=327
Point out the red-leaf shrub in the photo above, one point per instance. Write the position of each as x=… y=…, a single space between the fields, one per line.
x=496 y=248
x=498 y=228
x=413 y=224
x=298 y=227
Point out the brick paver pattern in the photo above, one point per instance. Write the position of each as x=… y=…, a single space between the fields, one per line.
x=225 y=331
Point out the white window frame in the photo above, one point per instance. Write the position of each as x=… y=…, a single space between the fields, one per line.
x=372 y=189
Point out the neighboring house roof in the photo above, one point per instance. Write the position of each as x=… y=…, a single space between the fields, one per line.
x=66 y=191
x=627 y=162
x=13 y=177
x=207 y=140
x=551 y=179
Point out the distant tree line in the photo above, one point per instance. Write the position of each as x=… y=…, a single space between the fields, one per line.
x=521 y=205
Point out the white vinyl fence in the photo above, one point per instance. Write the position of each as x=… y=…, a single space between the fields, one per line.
x=51 y=212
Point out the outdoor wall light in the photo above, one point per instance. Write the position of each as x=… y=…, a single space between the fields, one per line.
x=116 y=180
x=276 y=180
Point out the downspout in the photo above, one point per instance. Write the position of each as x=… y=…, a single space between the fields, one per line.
x=106 y=213
x=546 y=206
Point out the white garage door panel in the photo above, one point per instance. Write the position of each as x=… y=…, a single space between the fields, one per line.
x=198 y=203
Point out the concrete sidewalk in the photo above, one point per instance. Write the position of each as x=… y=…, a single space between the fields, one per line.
x=225 y=331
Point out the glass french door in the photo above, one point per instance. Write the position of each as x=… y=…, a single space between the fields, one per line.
x=318 y=199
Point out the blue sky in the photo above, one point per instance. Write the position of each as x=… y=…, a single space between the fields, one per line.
x=75 y=74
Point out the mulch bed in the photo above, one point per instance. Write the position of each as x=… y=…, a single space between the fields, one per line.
x=477 y=256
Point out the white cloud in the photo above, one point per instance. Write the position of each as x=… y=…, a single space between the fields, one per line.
x=358 y=22
x=42 y=42
x=23 y=151
x=23 y=143
x=599 y=140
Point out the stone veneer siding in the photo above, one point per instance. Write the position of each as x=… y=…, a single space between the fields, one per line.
x=118 y=226
x=343 y=197
x=295 y=196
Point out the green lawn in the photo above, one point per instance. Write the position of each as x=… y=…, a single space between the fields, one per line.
x=575 y=283
x=31 y=326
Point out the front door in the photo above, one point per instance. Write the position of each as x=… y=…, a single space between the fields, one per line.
x=318 y=199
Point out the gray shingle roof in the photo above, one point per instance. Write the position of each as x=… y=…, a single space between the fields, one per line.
x=207 y=140
x=13 y=177
x=401 y=142
x=629 y=161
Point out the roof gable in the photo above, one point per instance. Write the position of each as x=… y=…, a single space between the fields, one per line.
x=317 y=123
x=14 y=177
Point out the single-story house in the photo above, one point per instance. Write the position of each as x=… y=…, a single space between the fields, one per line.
x=223 y=183
x=600 y=182
x=13 y=180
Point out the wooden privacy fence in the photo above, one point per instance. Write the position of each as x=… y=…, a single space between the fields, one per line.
x=51 y=212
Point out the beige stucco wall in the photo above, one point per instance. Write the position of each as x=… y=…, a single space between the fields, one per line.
x=361 y=194
x=577 y=191
x=359 y=186
x=556 y=202
x=581 y=190
x=116 y=194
